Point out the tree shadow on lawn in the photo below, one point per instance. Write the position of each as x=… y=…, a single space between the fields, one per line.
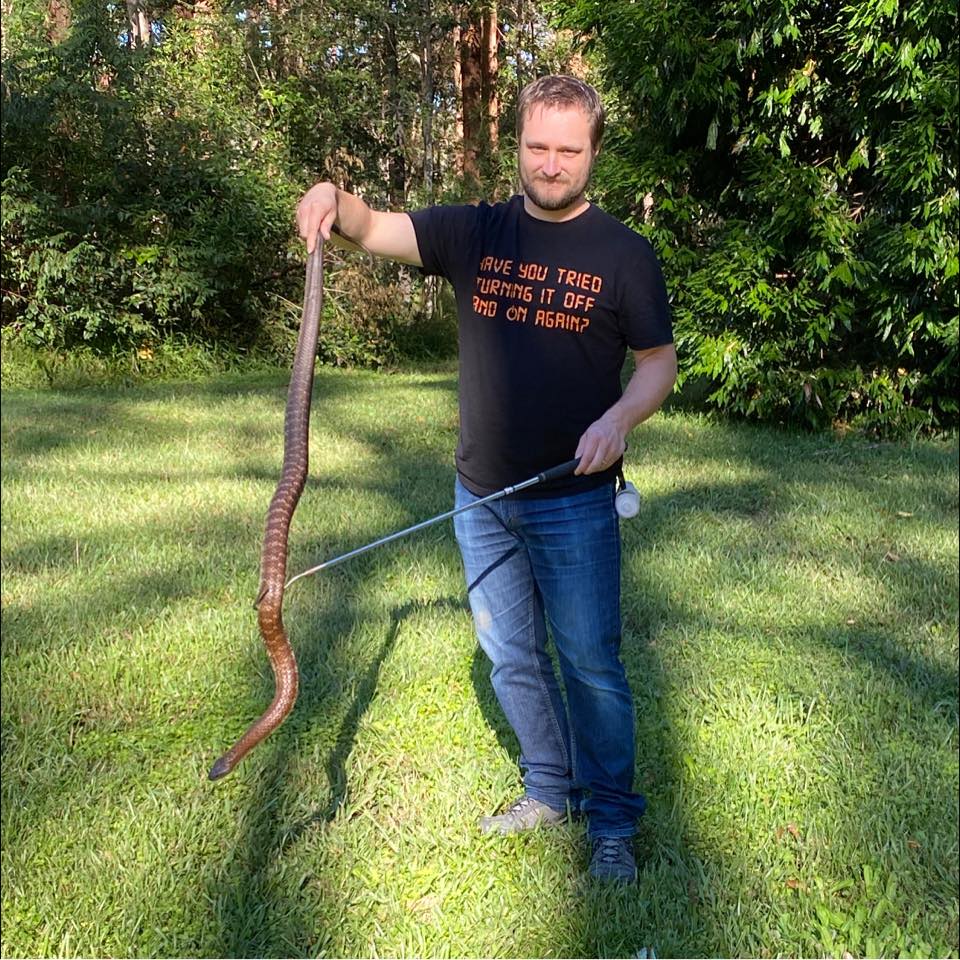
x=252 y=912
x=251 y=917
x=914 y=681
x=336 y=762
x=676 y=857
x=78 y=628
x=39 y=423
x=273 y=926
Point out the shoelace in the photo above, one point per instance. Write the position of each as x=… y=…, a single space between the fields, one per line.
x=611 y=849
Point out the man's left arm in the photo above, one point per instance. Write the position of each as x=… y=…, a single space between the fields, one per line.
x=605 y=440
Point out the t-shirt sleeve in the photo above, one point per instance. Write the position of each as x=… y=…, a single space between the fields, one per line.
x=644 y=309
x=444 y=234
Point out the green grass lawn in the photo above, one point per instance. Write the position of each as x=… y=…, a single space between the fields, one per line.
x=791 y=629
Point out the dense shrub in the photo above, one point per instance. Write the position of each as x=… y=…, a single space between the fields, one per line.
x=795 y=164
x=148 y=202
x=139 y=200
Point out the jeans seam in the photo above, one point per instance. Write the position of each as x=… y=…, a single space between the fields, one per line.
x=623 y=833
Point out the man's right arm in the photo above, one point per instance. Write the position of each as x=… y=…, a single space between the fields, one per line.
x=380 y=233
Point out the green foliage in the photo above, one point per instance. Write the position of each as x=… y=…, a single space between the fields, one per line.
x=376 y=318
x=360 y=316
x=137 y=202
x=174 y=358
x=795 y=165
x=148 y=199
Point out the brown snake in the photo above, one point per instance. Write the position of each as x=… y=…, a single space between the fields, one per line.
x=273 y=556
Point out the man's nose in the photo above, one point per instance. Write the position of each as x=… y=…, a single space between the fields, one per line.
x=551 y=165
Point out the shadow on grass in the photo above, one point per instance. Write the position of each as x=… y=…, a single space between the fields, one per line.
x=366 y=690
x=249 y=917
x=40 y=423
x=254 y=919
x=919 y=684
x=675 y=858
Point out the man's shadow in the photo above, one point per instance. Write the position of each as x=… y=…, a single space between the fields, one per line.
x=336 y=762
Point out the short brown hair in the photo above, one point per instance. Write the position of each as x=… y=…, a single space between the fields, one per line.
x=559 y=92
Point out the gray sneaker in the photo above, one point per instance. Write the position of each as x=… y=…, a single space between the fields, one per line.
x=613 y=860
x=523 y=814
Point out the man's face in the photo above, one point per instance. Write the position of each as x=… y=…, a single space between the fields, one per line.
x=555 y=157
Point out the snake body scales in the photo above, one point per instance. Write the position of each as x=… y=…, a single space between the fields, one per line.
x=273 y=556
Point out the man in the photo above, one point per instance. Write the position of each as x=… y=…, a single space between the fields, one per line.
x=550 y=293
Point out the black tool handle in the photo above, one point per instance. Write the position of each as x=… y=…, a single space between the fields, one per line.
x=559 y=471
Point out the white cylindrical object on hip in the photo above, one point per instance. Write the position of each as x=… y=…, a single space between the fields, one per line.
x=628 y=501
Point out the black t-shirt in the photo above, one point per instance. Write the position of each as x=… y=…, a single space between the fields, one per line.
x=547 y=311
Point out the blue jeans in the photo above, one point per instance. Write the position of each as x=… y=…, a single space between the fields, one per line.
x=556 y=561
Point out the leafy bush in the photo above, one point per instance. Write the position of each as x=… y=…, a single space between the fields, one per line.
x=796 y=167
x=148 y=199
x=138 y=201
x=374 y=315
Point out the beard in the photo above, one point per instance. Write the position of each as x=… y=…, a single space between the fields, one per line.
x=554 y=195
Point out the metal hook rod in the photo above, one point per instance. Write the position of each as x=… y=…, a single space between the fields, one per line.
x=554 y=473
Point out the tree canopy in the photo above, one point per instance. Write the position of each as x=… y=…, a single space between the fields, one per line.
x=794 y=165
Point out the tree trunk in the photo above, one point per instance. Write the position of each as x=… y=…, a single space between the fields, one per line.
x=396 y=158
x=284 y=56
x=489 y=67
x=458 y=91
x=58 y=20
x=427 y=95
x=138 y=25
x=471 y=76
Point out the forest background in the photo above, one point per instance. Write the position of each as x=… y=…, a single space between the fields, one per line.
x=793 y=163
